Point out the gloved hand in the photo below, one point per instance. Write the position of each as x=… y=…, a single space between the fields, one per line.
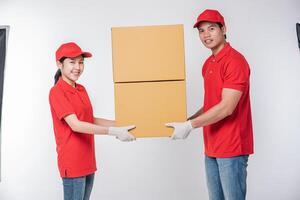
x=122 y=133
x=181 y=129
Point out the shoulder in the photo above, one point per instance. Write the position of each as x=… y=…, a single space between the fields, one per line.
x=237 y=61
x=81 y=88
x=236 y=56
x=56 y=90
x=207 y=60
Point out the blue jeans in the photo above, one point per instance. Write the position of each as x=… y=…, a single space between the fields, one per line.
x=226 y=177
x=78 y=188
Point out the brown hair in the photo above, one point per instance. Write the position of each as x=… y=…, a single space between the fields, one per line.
x=58 y=72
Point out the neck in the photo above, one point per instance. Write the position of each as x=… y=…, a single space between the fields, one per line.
x=70 y=82
x=218 y=48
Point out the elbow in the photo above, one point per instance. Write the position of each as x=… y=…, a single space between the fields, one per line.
x=229 y=111
x=73 y=122
x=227 y=108
x=74 y=127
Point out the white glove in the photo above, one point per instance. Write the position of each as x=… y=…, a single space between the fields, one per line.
x=122 y=132
x=181 y=129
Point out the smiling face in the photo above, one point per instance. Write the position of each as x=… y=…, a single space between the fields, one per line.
x=71 y=69
x=212 y=36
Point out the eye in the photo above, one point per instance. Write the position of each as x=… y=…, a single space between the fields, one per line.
x=81 y=62
x=212 y=28
x=72 y=62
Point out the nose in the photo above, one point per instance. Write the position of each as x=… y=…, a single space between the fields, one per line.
x=77 y=65
x=206 y=34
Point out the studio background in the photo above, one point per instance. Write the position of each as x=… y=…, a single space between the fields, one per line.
x=157 y=168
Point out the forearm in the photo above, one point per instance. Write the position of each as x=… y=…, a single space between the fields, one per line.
x=89 y=128
x=199 y=112
x=213 y=115
x=104 y=122
x=84 y=127
x=230 y=99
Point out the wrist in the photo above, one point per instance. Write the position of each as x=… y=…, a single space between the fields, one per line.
x=111 y=131
x=106 y=130
x=192 y=123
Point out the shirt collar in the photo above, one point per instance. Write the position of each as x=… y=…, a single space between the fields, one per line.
x=66 y=86
x=224 y=51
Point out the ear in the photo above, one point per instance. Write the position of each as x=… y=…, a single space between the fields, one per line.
x=59 y=64
x=224 y=29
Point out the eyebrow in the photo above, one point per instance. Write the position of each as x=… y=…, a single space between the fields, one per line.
x=210 y=25
x=213 y=25
x=73 y=59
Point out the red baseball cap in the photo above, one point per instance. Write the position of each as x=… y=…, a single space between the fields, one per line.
x=210 y=16
x=70 y=50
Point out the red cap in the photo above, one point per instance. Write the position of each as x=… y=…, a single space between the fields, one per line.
x=210 y=16
x=70 y=50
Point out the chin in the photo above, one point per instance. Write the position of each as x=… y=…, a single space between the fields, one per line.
x=210 y=46
x=75 y=78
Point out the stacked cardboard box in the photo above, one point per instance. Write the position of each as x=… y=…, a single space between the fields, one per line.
x=149 y=77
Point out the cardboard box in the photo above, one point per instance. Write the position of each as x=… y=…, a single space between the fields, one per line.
x=148 y=53
x=149 y=105
x=149 y=74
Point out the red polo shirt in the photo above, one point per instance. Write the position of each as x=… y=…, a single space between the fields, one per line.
x=233 y=135
x=76 y=151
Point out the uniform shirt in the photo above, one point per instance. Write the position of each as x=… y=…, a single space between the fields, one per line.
x=76 y=151
x=231 y=136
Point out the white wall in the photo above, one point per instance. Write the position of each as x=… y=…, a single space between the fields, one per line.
x=147 y=169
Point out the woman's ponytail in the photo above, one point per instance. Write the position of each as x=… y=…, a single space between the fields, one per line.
x=56 y=76
x=58 y=72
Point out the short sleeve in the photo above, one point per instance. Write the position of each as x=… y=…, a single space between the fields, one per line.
x=236 y=75
x=59 y=103
x=204 y=68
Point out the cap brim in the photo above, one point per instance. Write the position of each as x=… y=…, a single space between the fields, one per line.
x=207 y=20
x=196 y=24
x=86 y=54
x=74 y=55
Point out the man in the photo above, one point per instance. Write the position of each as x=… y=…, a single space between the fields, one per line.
x=226 y=113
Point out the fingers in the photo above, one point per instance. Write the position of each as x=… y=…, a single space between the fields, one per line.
x=131 y=137
x=173 y=137
x=129 y=127
x=170 y=124
x=126 y=137
x=185 y=136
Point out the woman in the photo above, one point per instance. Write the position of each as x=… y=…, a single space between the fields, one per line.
x=75 y=125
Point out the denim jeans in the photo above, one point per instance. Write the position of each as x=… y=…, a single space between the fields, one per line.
x=226 y=177
x=78 y=188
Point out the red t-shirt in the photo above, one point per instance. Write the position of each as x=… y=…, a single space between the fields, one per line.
x=76 y=151
x=232 y=136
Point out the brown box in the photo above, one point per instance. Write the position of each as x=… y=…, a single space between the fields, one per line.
x=149 y=76
x=148 y=53
x=149 y=105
